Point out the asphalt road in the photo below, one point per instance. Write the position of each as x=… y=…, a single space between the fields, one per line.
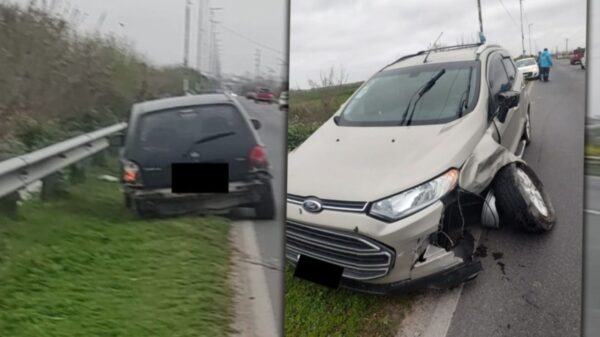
x=534 y=289
x=269 y=234
x=592 y=257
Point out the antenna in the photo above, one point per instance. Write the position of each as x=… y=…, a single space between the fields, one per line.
x=433 y=46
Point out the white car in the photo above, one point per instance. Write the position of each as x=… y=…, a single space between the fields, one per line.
x=529 y=67
x=582 y=62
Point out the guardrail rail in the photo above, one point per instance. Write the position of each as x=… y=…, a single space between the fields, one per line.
x=18 y=172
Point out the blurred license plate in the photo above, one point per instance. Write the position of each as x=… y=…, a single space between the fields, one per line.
x=317 y=271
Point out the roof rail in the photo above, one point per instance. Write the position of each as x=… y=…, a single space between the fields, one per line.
x=484 y=47
x=404 y=58
x=460 y=46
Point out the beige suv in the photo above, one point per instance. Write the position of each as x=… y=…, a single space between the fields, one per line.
x=382 y=196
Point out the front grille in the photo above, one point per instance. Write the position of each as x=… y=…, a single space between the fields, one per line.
x=362 y=258
x=528 y=74
x=334 y=205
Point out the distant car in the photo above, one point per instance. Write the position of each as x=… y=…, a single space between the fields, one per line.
x=283 y=100
x=576 y=58
x=582 y=62
x=194 y=129
x=250 y=95
x=529 y=67
x=264 y=95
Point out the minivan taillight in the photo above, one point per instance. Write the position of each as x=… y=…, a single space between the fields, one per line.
x=258 y=157
x=131 y=173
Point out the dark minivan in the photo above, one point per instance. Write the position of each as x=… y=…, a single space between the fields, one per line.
x=209 y=128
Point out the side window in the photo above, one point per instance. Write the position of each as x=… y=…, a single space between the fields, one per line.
x=497 y=79
x=510 y=67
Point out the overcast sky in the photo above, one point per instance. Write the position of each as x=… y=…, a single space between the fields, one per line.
x=363 y=35
x=156 y=29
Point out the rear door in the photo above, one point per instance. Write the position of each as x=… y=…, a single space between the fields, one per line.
x=208 y=134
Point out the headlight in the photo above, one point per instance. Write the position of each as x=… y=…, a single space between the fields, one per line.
x=408 y=202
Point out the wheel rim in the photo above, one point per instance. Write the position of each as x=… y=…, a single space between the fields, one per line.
x=532 y=192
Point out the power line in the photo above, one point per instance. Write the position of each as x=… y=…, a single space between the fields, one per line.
x=251 y=40
x=507 y=12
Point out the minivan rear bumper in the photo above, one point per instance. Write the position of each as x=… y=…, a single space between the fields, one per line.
x=163 y=202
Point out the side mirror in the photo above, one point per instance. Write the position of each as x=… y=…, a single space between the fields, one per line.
x=117 y=140
x=256 y=123
x=506 y=101
x=336 y=120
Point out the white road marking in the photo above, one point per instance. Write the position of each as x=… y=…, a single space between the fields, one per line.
x=255 y=285
x=592 y=211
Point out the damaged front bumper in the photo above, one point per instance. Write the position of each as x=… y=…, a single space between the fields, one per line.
x=429 y=249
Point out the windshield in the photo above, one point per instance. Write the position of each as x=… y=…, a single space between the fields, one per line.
x=176 y=130
x=383 y=99
x=525 y=63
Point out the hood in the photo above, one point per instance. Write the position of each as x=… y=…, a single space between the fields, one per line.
x=370 y=163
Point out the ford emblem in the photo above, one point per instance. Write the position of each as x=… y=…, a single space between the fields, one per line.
x=312 y=205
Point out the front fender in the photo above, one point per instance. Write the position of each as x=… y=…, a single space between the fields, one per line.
x=488 y=157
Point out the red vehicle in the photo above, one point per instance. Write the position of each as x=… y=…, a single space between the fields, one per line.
x=576 y=57
x=263 y=95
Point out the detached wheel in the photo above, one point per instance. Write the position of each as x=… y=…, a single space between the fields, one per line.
x=265 y=208
x=521 y=199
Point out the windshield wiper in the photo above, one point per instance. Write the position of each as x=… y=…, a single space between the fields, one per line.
x=208 y=139
x=420 y=94
x=464 y=102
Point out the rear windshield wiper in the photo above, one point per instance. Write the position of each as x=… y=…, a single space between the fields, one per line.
x=209 y=138
x=424 y=89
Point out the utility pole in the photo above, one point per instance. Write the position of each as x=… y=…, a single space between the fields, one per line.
x=257 y=63
x=530 y=51
x=522 y=34
x=186 y=47
x=480 y=20
x=567 y=46
x=213 y=36
x=199 y=48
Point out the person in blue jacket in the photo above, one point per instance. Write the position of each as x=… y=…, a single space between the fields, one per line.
x=545 y=64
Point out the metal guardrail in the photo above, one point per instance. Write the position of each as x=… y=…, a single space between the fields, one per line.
x=18 y=172
x=592 y=159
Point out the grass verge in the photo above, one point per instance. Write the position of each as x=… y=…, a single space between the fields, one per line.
x=315 y=311
x=84 y=266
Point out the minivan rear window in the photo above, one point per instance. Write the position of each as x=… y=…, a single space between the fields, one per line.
x=383 y=100
x=176 y=130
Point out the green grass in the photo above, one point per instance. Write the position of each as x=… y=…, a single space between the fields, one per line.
x=306 y=106
x=84 y=266
x=592 y=150
x=314 y=311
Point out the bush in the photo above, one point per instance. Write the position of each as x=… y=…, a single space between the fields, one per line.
x=57 y=82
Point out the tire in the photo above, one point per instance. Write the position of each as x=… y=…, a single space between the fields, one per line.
x=515 y=187
x=127 y=200
x=265 y=208
x=140 y=210
x=527 y=129
x=582 y=66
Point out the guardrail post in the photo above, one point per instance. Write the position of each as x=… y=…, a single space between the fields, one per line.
x=99 y=159
x=52 y=186
x=77 y=174
x=9 y=204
